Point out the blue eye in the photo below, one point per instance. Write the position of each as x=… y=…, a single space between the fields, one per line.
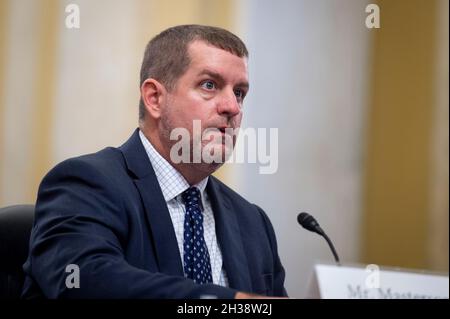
x=239 y=93
x=209 y=85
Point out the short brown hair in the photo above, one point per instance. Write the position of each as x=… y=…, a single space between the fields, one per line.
x=166 y=55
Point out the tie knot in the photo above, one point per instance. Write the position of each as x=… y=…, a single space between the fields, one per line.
x=191 y=196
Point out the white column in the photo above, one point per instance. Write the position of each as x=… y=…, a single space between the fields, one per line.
x=98 y=77
x=308 y=78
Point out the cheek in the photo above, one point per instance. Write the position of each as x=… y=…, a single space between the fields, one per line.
x=180 y=111
x=237 y=119
x=190 y=106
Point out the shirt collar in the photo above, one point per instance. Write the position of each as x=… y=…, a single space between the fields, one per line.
x=172 y=183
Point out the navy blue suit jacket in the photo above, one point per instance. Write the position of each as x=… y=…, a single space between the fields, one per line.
x=106 y=213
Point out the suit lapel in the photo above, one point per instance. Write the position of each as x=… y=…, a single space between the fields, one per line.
x=157 y=213
x=229 y=238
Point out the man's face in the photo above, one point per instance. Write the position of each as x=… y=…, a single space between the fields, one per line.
x=212 y=90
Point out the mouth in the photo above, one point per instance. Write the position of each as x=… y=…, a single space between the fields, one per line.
x=223 y=129
x=223 y=133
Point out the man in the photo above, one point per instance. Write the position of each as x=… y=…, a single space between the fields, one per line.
x=131 y=222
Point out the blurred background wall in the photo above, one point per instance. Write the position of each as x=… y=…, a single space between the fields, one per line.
x=362 y=114
x=308 y=70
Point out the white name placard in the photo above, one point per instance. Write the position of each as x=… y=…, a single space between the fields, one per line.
x=372 y=282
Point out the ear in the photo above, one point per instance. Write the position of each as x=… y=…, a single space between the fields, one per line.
x=153 y=94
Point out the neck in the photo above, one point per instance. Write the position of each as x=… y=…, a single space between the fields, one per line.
x=192 y=172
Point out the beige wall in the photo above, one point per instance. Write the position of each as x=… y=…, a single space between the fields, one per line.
x=399 y=158
x=439 y=208
x=3 y=22
x=20 y=81
x=66 y=92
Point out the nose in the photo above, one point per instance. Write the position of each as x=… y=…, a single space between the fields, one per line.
x=228 y=104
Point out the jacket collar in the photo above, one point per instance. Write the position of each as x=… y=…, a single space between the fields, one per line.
x=157 y=213
x=229 y=237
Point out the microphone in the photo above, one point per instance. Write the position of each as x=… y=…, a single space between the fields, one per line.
x=310 y=223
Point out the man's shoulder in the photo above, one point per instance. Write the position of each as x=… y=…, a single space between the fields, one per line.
x=106 y=162
x=106 y=157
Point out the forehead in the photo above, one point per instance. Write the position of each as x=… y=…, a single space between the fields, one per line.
x=204 y=56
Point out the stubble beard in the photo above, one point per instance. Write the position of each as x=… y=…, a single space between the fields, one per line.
x=202 y=168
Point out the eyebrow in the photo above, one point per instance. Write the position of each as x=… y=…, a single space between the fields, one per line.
x=218 y=77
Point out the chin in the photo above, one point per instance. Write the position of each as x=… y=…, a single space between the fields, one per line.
x=223 y=152
x=207 y=169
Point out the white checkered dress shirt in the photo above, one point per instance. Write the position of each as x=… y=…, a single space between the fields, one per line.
x=173 y=184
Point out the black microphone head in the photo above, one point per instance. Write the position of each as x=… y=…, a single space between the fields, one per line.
x=311 y=224
x=308 y=222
